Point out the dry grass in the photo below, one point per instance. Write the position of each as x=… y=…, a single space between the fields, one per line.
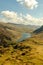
x=27 y=52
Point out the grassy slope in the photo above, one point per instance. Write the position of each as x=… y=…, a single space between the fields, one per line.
x=27 y=52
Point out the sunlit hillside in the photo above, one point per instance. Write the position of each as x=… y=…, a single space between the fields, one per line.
x=26 y=52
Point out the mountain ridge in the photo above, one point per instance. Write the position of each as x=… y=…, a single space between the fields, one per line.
x=39 y=30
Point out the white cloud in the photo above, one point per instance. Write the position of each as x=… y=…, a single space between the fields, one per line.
x=31 y=4
x=27 y=19
x=12 y=16
x=9 y=14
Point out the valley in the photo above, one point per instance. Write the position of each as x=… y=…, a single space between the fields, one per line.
x=27 y=51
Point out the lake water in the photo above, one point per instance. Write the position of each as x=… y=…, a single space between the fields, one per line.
x=24 y=37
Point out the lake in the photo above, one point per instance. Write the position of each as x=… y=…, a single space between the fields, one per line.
x=24 y=37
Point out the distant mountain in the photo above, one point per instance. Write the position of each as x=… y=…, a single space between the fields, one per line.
x=26 y=28
x=39 y=30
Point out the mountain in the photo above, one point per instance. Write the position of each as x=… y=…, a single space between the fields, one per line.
x=19 y=27
x=22 y=25
x=8 y=35
x=39 y=30
x=26 y=52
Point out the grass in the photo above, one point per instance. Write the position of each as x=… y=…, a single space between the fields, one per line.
x=27 y=52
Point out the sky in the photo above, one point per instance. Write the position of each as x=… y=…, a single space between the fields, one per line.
x=22 y=11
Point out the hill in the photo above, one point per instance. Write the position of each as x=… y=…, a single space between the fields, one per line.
x=31 y=50
x=27 y=52
x=39 y=30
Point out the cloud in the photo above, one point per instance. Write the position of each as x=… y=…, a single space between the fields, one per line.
x=31 y=4
x=14 y=17
x=9 y=14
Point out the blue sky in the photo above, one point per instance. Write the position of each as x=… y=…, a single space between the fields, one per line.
x=13 y=5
